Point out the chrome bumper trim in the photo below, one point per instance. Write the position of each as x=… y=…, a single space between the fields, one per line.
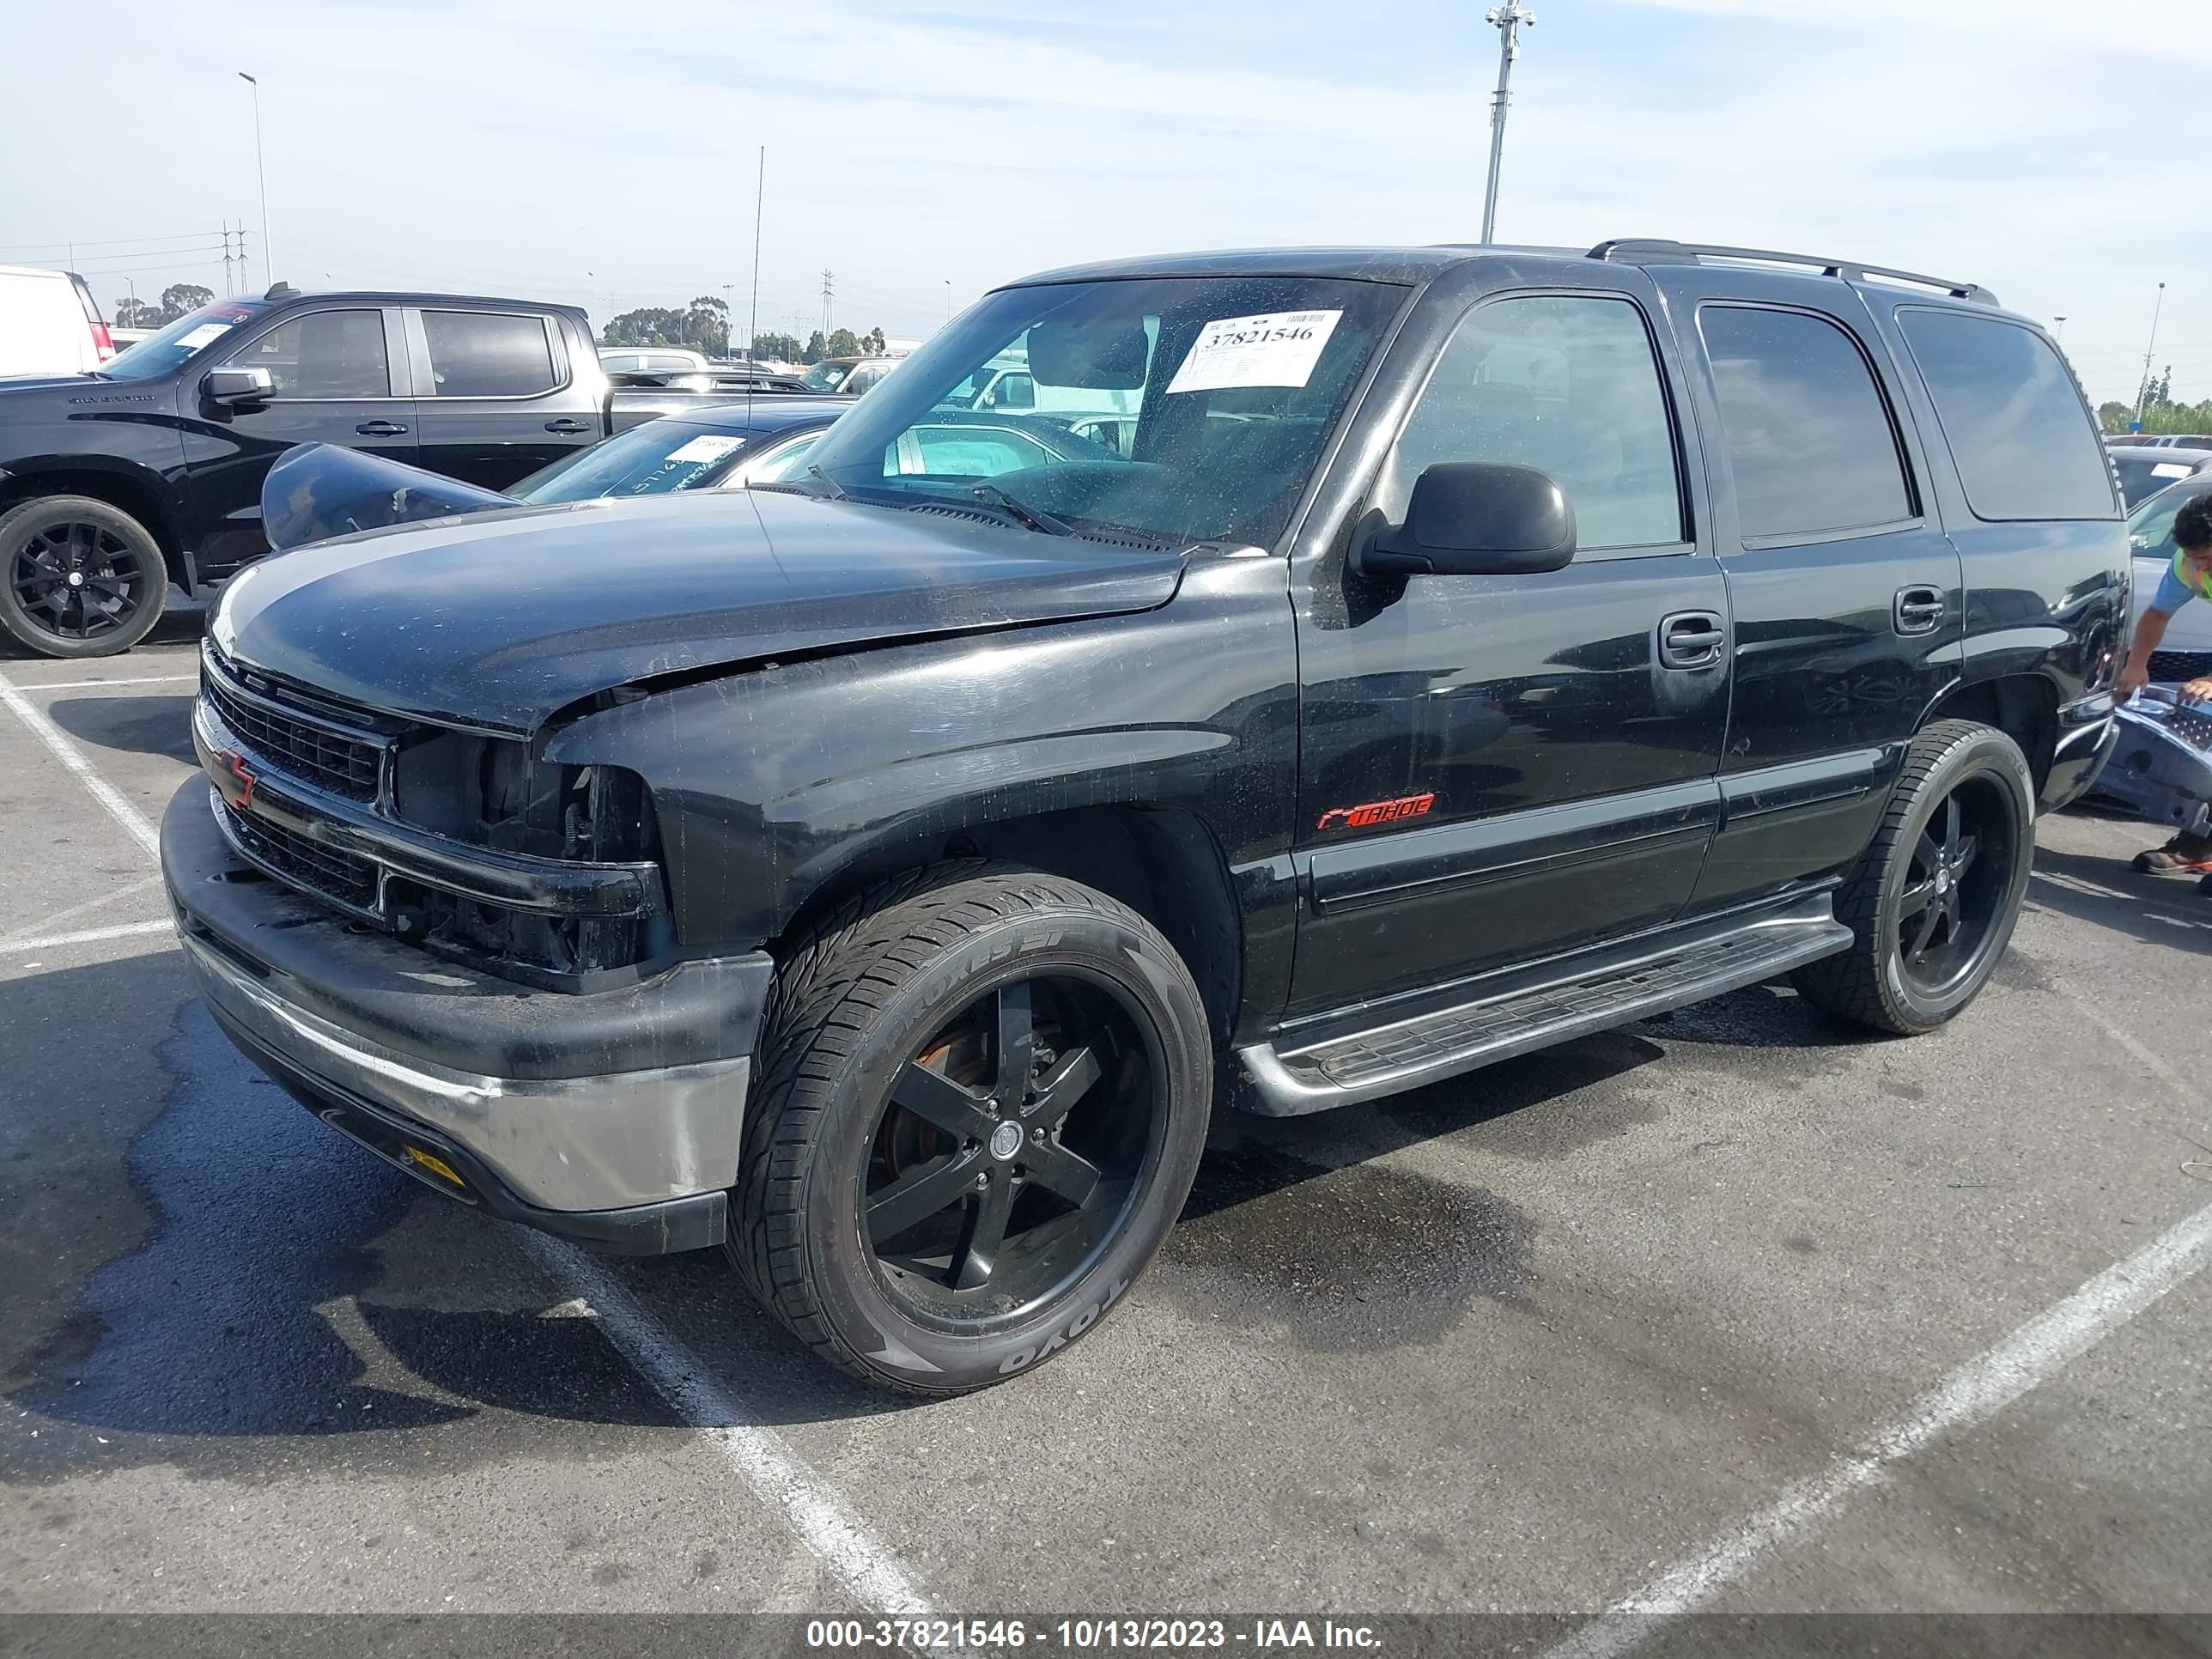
x=584 y=1143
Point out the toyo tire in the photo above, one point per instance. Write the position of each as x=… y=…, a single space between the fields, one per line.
x=1932 y=903
x=983 y=1098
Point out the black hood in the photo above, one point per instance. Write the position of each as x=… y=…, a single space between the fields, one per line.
x=497 y=620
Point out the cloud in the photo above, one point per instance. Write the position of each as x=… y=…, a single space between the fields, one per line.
x=571 y=150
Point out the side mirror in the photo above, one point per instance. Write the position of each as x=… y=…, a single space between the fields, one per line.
x=237 y=386
x=1474 y=519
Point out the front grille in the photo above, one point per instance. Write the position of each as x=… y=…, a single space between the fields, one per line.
x=336 y=876
x=296 y=744
x=2167 y=665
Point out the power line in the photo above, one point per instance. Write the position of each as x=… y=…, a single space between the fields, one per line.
x=118 y=241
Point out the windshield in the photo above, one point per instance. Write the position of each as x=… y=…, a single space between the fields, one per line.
x=2141 y=476
x=166 y=348
x=826 y=377
x=656 y=459
x=1206 y=401
x=2150 y=526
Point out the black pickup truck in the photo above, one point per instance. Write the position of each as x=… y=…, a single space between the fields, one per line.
x=114 y=484
x=883 y=875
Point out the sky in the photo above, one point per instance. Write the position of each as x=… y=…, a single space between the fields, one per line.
x=923 y=152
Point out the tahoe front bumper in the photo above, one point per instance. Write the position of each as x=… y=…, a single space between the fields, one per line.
x=613 y=1117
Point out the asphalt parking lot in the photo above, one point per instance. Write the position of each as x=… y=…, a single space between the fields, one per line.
x=1730 y=1307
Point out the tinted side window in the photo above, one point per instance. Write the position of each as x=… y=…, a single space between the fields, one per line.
x=1564 y=384
x=2026 y=445
x=324 y=354
x=481 y=354
x=1809 y=436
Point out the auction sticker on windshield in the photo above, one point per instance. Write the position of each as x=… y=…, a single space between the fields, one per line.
x=202 y=335
x=707 y=446
x=1279 y=349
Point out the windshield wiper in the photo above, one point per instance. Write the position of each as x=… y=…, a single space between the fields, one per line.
x=1027 y=517
x=830 y=487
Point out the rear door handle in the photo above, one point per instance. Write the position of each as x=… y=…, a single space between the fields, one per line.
x=566 y=424
x=1691 y=639
x=380 y=429
x=1919 y=610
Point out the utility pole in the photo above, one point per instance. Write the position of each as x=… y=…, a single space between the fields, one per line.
x=760 y=200
x=829 y=292
x=260 y=167
x=228 y=290
x=1507 y=21
x=948 y=299
x=2142 y=396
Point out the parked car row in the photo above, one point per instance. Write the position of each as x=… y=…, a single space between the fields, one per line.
x=117 y=481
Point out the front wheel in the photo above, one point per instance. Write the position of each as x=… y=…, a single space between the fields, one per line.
x=1932 y=903
x=983 y=1095
x=82 y=579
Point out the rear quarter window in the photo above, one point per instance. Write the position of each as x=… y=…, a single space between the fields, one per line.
x=2025 y=442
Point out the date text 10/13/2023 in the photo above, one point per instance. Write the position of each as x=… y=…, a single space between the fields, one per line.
x=1089 y=1635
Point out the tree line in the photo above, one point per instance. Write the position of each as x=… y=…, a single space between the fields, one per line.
x=178 y=299
x=2161 y=414
x=704 y=326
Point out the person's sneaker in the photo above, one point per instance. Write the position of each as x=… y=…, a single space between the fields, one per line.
x=2185 y=855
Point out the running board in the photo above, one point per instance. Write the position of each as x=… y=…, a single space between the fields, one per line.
x=1444 y=1042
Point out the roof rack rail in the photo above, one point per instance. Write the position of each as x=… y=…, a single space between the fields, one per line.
x=1659 y=251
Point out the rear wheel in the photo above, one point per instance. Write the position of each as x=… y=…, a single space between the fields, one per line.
x=983 y=1095
x=1932 y=904
x=81 y=578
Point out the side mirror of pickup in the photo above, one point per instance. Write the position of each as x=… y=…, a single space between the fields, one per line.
x=1474 y=519
x=237 y=386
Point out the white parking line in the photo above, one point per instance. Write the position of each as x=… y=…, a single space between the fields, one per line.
x=1974 y=1393
x=89 y=935
x=807 y=1504
x=96 y=685
x=101 y=904
x=117 y=804
x=809 y=1508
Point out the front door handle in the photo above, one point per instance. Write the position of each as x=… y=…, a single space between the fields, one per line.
x=1917 y=609
x=566 y=424
x=1691 y=639
x=380 y=429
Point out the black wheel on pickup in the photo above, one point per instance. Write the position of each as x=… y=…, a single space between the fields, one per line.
x=982 y=1100
x=82 y=579
x=1932 y=903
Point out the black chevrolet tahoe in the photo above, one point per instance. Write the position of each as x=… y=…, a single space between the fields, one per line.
x=883 y=875
x=115 y=484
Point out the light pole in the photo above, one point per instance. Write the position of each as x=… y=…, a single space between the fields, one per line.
x=2060 y=333
x=948 y=299
x=1507 y=21
x=2142 y=396
x=268 y=265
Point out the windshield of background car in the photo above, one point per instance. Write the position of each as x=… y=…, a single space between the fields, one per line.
x=1221 y=390
x=2150 y=526
x=166 y=348
x=656 y=459
x=2142 y=477
x=826 y=377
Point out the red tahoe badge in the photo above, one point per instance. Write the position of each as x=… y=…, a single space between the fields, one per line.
x=1377 y=811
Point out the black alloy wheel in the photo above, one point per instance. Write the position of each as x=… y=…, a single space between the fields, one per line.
x=1953 y=895
x=1008 y=1152
x=82 y=579
x=1932 y=902
x=981 y=1096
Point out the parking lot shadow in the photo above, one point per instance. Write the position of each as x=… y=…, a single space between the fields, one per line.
x=284 y=1285
x=2106 y=891
x=141 y=725
x=182 y=620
